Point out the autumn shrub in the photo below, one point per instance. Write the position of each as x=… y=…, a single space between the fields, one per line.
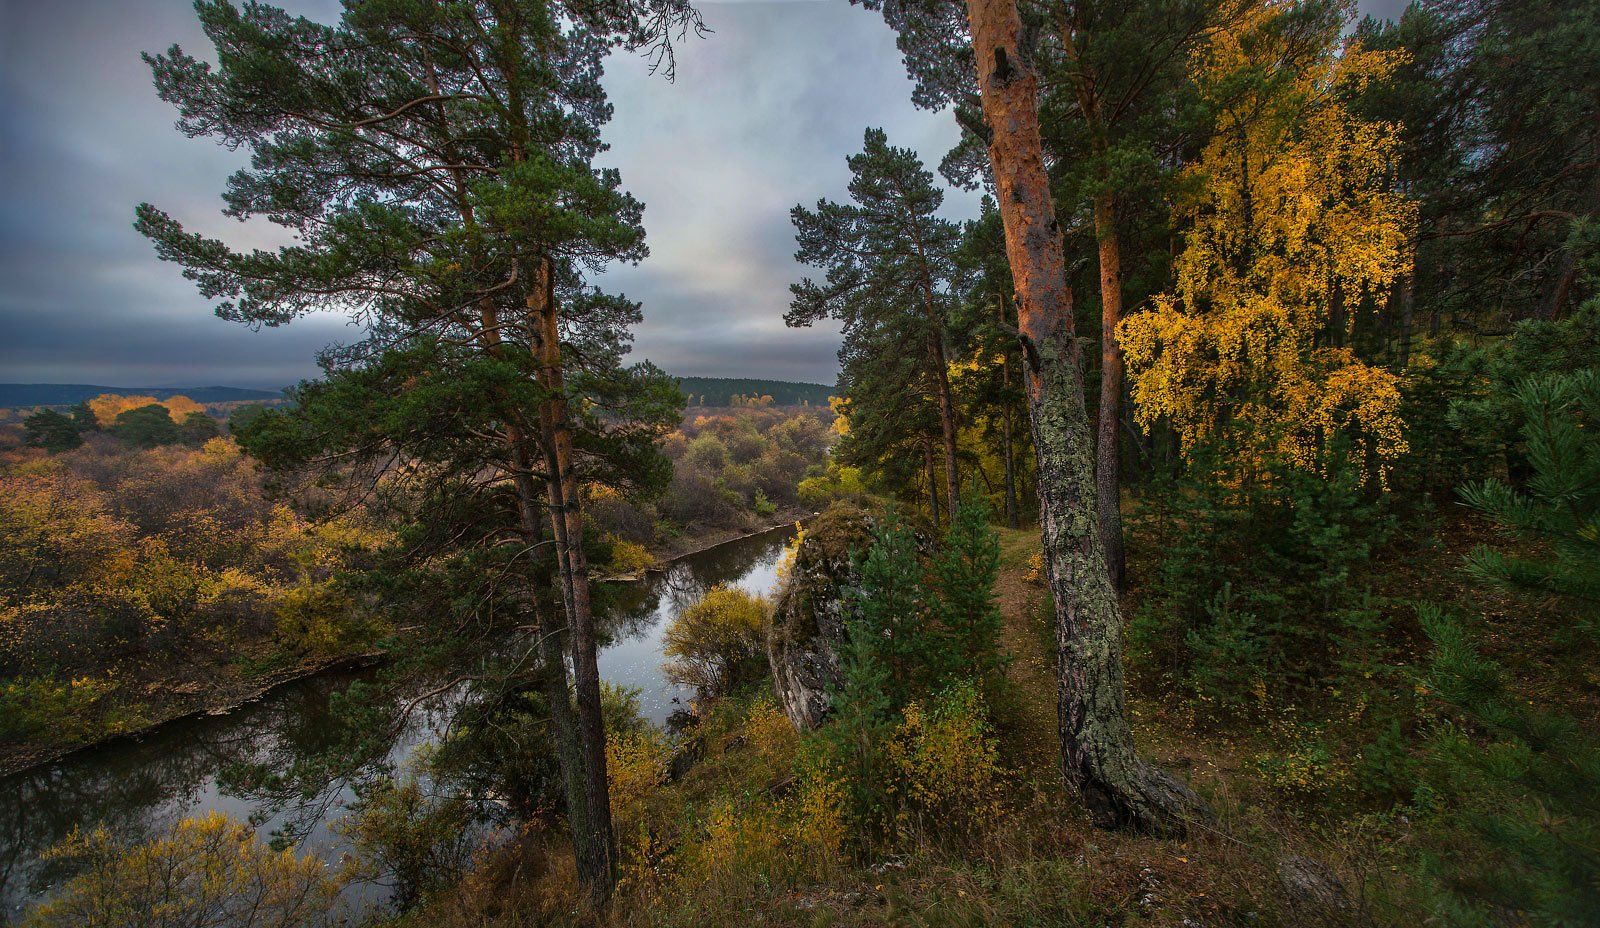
x=945 y=764
x=629 y=557
x=414 y=838
x=322 y=617
x=617 y=516
x=837 y=482
x=201 y=871
x=716 y=644
x=637 y=755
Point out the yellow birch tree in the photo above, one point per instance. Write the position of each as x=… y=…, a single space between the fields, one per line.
x=1290 y=229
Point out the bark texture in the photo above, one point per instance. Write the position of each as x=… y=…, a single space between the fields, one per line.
x=1098 y=756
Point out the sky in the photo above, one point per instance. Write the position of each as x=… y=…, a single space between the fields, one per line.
x=761 y=116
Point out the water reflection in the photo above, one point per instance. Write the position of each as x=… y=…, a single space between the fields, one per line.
x=137 y=789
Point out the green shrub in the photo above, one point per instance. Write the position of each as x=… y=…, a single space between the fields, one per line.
x=60 y=711
x=416 y=840
x=1258 y=591
x=1558 y=505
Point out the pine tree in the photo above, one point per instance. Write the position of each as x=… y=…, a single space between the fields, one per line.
x=52 y=431
x=147 y=427
x=1559 y=505
x=890 y=608
x=889 y=262
x=964 y=574
x=1117 y=101
x=860 y=723
x=435 y=163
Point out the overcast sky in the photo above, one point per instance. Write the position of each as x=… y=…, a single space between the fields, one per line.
x=761 y=117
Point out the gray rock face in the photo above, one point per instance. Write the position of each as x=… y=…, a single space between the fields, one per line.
x=808 y=623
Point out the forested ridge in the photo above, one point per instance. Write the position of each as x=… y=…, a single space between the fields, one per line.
x=1205 y=532
x=721 y=391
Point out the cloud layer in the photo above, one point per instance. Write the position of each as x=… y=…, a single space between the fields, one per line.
x=762 y=115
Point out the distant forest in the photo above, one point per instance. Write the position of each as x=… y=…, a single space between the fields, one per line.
x=720 y=391
x=67 y=394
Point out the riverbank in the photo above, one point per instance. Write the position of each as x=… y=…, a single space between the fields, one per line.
x=688 y=545
x=140 y=787
x=217 y=690
x=134 y=702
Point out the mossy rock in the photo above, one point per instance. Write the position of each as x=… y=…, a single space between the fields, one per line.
x=808 y=622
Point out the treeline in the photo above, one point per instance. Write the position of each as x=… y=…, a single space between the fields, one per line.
x=731 y=391
x=139 y=421
x=67 y=394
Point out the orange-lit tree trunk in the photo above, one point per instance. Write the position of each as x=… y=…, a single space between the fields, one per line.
x=1097 y=749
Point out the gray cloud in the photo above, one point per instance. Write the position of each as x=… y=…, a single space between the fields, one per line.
x=761 y=117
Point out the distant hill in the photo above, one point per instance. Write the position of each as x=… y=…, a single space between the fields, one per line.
x=720 y=391
x=66 y=394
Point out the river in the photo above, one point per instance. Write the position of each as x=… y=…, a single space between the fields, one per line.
x=137 y=788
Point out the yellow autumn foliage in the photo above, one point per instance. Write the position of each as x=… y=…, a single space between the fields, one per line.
x=1290 y=230
x=203 y=871
x=946 y=763
x=108 y=406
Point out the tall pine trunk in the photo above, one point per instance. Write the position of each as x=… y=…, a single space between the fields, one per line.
x=1097 y=750
x=1108 y=482
x=554 y=679
x=1006 y=430
x=947 y=421
x=595 y=846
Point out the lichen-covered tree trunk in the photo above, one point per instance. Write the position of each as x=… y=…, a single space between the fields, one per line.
x=1098 y=756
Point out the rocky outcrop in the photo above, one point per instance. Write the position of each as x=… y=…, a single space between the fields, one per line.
x=808 y=622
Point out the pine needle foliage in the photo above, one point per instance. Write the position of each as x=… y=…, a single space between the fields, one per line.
x=1517 y=837
x=1558 y=506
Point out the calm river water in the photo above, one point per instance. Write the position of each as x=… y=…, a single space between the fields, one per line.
x=138 y=788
